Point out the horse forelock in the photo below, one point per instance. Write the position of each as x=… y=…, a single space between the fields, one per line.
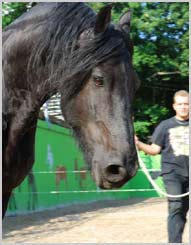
x=58 y=54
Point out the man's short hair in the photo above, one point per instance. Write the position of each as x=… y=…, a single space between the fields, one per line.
x=182 y=93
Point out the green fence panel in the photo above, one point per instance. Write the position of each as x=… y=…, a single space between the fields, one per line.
x=59 y=175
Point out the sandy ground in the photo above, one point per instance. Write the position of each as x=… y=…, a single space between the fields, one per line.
x=128 y=221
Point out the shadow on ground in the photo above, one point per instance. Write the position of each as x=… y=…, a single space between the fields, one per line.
x=70 y=213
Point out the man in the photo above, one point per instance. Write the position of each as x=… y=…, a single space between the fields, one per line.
x=171 y=138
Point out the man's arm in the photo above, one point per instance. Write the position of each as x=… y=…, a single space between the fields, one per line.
x=152 y=149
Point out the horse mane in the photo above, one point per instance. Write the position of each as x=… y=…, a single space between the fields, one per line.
x=57 y=54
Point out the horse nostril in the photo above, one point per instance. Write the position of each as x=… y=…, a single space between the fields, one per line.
x=113 y=169
x=115 y=173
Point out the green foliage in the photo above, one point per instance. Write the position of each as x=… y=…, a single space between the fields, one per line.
x=160 y=32
x=11 y=11
x=163 y=28
x=147 y=117
x=142 y=128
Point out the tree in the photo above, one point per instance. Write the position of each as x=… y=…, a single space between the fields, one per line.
x=160 y=34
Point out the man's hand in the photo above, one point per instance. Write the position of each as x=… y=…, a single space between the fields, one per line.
x=152 y=149
x=136 y=141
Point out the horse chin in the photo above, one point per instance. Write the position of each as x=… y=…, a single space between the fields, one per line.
x=106 y=184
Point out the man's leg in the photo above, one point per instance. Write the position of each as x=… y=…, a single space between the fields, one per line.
x=176 y=221
x=185 y=201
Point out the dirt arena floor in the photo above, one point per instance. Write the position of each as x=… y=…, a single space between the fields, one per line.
x=128 y=221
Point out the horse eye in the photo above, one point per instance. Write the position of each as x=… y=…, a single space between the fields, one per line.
x=99 y=82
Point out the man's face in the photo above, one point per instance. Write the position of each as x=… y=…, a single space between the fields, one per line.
x=181 y=107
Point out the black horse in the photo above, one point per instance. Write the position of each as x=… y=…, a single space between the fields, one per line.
x=67 y=48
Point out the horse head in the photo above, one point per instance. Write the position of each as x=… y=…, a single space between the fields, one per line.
x=100 y=113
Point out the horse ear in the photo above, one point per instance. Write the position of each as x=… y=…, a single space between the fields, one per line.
x=124 y=25
x=103 y=19
x=125 y=21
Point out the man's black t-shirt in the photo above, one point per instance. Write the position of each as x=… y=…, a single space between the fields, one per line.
x=172 y=136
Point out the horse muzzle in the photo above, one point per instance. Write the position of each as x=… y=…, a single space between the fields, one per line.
x=113 y=175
